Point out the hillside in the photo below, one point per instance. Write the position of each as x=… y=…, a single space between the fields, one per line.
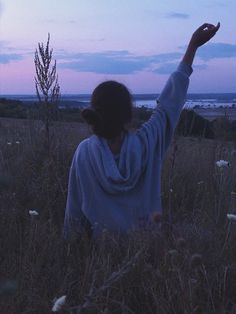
x=177 y=270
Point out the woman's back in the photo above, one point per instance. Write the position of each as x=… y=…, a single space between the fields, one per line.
x=121 y=194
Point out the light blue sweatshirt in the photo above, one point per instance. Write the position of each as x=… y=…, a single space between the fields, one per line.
x=120 y=193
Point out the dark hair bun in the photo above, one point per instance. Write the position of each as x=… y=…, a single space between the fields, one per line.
x=91 y=117
x=111 y=109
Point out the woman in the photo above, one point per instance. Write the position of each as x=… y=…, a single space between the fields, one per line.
x=115 y=175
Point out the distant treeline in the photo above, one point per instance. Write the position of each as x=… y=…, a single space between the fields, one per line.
x=190 y=124
x=13 y=109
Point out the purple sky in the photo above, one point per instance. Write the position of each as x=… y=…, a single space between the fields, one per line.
x=137 y=43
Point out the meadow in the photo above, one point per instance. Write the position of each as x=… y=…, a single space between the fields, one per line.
x=189 y=266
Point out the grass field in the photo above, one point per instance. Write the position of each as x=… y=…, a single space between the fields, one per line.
x=213 y=113
x=189 y=267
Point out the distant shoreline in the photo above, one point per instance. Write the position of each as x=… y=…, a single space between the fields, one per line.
x=210 y=100
x=217 y=96
x=209 y=106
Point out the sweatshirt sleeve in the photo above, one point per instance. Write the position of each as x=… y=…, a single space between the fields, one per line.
x=75 y=221
x=160 y=127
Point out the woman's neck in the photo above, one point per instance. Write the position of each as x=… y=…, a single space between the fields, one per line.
x=116 y=143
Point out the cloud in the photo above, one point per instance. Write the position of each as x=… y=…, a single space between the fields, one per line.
x=7 y=58
x=55 y=21
x=13 y=53
x=124 y=62
x=166 y=68
x=177 y=15
x=114 y=62
x=216 y=51
x=7 y=48
x=218 y=4
x=200 y=66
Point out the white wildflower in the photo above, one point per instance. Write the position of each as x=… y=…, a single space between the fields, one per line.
x=8 y=143
x=223 y=163
x=200 y=182
x=17 y=142
x=58 y=303
x=231 y=217
x=233 y=152
x=33 y=212
x=171 y=190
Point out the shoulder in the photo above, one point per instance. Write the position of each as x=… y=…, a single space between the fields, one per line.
x=83 y=144
x=81 y=149
x=91 y=143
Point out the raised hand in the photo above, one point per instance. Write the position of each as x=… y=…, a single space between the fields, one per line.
x=203 y=34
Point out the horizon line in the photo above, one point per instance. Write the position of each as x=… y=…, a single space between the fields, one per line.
x=87 y=94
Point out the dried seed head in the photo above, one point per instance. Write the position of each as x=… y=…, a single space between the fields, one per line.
x=195 y=260
x=33 y=212
x=180 y=244
x=172 y=252
x=200 y=182
x=175 y=258
x=231 y=217
x=59 y=303
x=223 y=164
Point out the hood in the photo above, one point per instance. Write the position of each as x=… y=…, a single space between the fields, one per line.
x=121 y=176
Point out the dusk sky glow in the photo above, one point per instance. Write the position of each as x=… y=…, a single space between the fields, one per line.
x=137 y=43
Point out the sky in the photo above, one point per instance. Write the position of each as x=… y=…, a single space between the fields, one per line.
x=138 y=43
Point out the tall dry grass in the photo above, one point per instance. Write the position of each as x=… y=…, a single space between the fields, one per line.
x=189 y=267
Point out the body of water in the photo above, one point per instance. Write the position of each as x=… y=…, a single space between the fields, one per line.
x=147 y=100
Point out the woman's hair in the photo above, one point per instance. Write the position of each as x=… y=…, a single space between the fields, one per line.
x=111 y=108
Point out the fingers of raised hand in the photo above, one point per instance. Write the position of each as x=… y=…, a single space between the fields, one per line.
x=202 y=27
x=210 y=27
x=217 y=26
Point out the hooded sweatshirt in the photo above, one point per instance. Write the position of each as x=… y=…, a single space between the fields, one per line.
x=122 y=192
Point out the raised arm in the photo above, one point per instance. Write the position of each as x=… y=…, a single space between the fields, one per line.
x=161 y=125
x=202 y=35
